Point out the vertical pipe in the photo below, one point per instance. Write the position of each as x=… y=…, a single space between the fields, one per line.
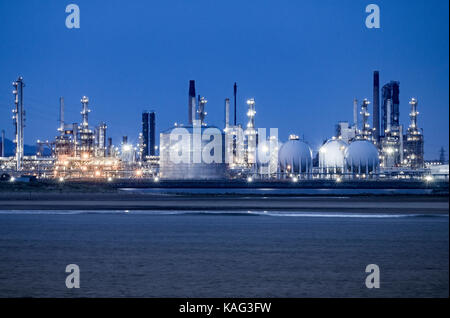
x=355 y=113
x=227 y=113
x=145 y=133
x=3 y=143
x=401 y=144
x=61 y=115
x=376 y=106
x=388 y=115
x=152 y=133
x=235 y=94
x=191 y=102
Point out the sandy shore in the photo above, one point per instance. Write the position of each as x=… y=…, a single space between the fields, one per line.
x=111 y=201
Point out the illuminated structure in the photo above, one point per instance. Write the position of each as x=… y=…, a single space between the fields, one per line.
x=413 y=144
x=366 y=132
x=85 y=141
x=19 y=120
x=78 y=152
x=295 y=158
x=251 y=135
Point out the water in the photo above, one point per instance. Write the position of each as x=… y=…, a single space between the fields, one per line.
x=276 y=191
x=219 y=254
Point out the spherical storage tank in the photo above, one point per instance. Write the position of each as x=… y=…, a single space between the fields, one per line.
x=361 y=156
x=332 y=156
x=295 y=156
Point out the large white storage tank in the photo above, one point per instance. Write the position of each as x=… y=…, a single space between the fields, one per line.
x=332 y=156
x=361 y=157
x=186 y=153
x=295 y=157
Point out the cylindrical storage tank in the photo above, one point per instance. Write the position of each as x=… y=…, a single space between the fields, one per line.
x=361 y=157
x=192 y=153
x=332 y=156
x=295 y=156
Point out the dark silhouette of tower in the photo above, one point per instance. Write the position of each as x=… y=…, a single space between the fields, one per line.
x=376 y=106
x=191 y=102
x=145 y=133
x=391 y=91
x=152 y=134
x=235 y=92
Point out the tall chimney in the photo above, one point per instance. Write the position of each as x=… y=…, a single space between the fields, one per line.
x=376 y=106
x=191 y=102
x=227 y=112
x=3 y=143
x=152 y=133
x=61 y=115
x=145 y=133
x=235 y=93
x=355 y=113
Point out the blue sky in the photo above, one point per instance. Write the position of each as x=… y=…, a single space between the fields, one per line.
x=303 y=62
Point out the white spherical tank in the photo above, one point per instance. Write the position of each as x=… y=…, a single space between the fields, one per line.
x=295 y=156
x=332 y=156
x=361 y=157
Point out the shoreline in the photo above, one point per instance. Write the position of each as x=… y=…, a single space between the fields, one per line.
x=132 y=201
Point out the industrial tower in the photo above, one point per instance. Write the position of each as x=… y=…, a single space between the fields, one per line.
x=19 y=120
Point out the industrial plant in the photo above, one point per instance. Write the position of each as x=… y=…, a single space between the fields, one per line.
x=374 y=146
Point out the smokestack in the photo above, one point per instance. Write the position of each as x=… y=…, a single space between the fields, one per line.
x=125 y=140
x=61 y=115
x=152 y=133
x=3 y=143
x=355 y=113
x=145 y=133
x=227 y=112
x=191 y=102
x=235 y=93
x=376 y=106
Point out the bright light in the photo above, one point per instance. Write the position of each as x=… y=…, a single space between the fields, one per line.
x=127 y=147
x=85 y=155
x=294 y=179
x=155 y=179
x=428 y=178
x=97 y=173
x=110 y=179
x=138 y=173
x=338 y=179
x=249 y=179
x=61 y=179
x=12 y=179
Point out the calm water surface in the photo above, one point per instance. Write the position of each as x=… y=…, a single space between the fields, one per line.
x=178 y=254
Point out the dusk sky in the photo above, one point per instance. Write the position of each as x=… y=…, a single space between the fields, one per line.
x=303 y=61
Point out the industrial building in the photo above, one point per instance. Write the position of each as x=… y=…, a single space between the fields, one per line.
x=358 y=150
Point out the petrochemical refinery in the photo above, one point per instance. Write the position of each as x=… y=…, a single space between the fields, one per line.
x=374 y=146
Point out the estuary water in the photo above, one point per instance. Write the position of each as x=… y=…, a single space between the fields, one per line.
x=219 y=254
